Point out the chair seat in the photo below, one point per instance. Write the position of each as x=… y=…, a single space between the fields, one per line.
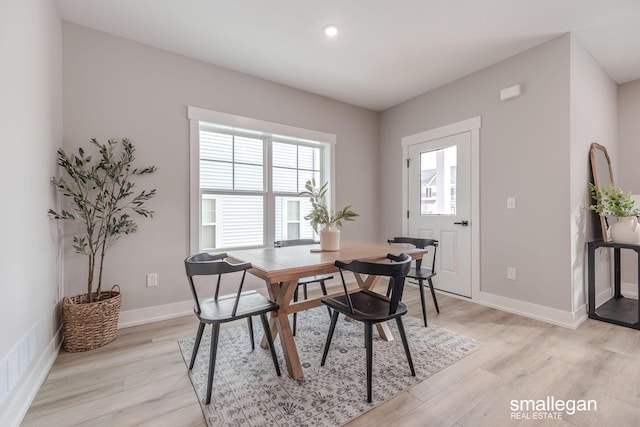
x=367 y=307
x=423 y=273
x=313 y=279
x=251 y=303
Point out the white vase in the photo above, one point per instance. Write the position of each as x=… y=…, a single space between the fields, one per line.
x=625 y=230
x=330 y=238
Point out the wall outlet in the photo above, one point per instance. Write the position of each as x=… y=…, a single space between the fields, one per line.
x=152 y=279
x=511 y=273
x=511 y=202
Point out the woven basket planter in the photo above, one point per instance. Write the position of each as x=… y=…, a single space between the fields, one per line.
x=90 y=325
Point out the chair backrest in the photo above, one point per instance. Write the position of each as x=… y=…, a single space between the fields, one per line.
x=205 y=264
x=293 y=242
x=396 y=271
x=420 y=244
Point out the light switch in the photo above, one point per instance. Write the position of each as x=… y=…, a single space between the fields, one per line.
x=511 y=202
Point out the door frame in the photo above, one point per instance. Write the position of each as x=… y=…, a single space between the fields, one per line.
x=473 y=126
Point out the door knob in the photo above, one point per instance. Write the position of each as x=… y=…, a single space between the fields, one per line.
x=463 y=223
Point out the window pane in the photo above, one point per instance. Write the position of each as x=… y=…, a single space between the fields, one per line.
x=208 y=210
x=216 y=175
x=282 y=225
x=248 y=177
x=284 y=155
x=284 y=180
x=308 y=158
x=241 y=221
x=216 y=146
x=208 y=237
x=304 y=176
x=438 y=181
x=293 y=210
x=293 y=231
x=248 y=150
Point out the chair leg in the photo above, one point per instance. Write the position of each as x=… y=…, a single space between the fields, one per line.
x=368 y=343
x=332 y=327
x=405 y=344
x=267 y=333
x=215 y=333
x=324 y=292
x=196 y=345
x=295 y=315
x=433 y=294
x=250 y=325
x=424 y=304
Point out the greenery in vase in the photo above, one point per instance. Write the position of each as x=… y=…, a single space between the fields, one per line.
x=320 y=214
x=612 y=201
x=101 y=197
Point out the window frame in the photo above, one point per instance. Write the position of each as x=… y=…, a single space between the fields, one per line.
x=248 y=126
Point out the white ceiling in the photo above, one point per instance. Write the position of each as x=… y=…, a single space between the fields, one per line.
x=387 y=51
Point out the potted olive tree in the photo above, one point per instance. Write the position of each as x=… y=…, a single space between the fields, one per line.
x=320 y=215
x=100 y=195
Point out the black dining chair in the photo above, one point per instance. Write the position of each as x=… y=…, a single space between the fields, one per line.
x=370 y=307
x=225 y=308
x=320 y=279
x=419 y=273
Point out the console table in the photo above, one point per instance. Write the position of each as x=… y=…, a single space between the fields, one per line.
x=618 y=309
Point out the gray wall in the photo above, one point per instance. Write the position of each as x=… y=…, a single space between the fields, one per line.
x=627 y=176
x=524 y=152
x=116 y=88
x=31 y=131
x=593 y=114
x=626 y=172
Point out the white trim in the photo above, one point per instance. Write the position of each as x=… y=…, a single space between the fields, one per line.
x=196 y=113
x=194 y=186
x=21 y=397
x=154 y=314
x=443 y=131
x=565 y=319
x=629 y=290
x=473 y=126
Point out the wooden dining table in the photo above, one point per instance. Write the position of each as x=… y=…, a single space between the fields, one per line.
x=281 y=268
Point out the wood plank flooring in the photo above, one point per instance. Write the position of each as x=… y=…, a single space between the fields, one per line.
x=140 y=379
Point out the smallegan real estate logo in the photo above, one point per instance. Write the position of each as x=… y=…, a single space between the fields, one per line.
x=549 y=408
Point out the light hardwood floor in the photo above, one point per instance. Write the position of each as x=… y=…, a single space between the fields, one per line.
x=140 y=379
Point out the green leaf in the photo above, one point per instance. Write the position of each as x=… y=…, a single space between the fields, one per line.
x=99 y=195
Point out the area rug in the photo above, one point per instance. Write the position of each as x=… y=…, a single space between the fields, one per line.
x=247 y=391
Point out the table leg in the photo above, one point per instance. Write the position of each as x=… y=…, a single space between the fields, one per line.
x=279 y=323
x=369 y=284
x=591 y=280
x=616 y=273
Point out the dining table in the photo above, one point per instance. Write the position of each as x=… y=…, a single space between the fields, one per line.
x=281 y=268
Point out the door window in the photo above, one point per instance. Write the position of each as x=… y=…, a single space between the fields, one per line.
x=438 y=181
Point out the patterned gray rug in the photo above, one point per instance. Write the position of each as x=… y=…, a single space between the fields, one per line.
x=247 y=392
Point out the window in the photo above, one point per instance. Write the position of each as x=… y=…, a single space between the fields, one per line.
x=245 y=181
x=438 y=181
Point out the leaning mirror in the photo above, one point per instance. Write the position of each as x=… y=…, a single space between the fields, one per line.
x=602 y=177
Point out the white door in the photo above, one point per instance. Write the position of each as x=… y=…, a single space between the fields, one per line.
x=439 y=204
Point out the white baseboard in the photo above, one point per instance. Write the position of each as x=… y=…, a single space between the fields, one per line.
x=629 y=290
x=17 y=404
x=154 y=314
x=603 y=296
x=565 y=319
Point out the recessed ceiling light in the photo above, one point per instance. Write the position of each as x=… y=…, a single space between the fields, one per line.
x=331 y=30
